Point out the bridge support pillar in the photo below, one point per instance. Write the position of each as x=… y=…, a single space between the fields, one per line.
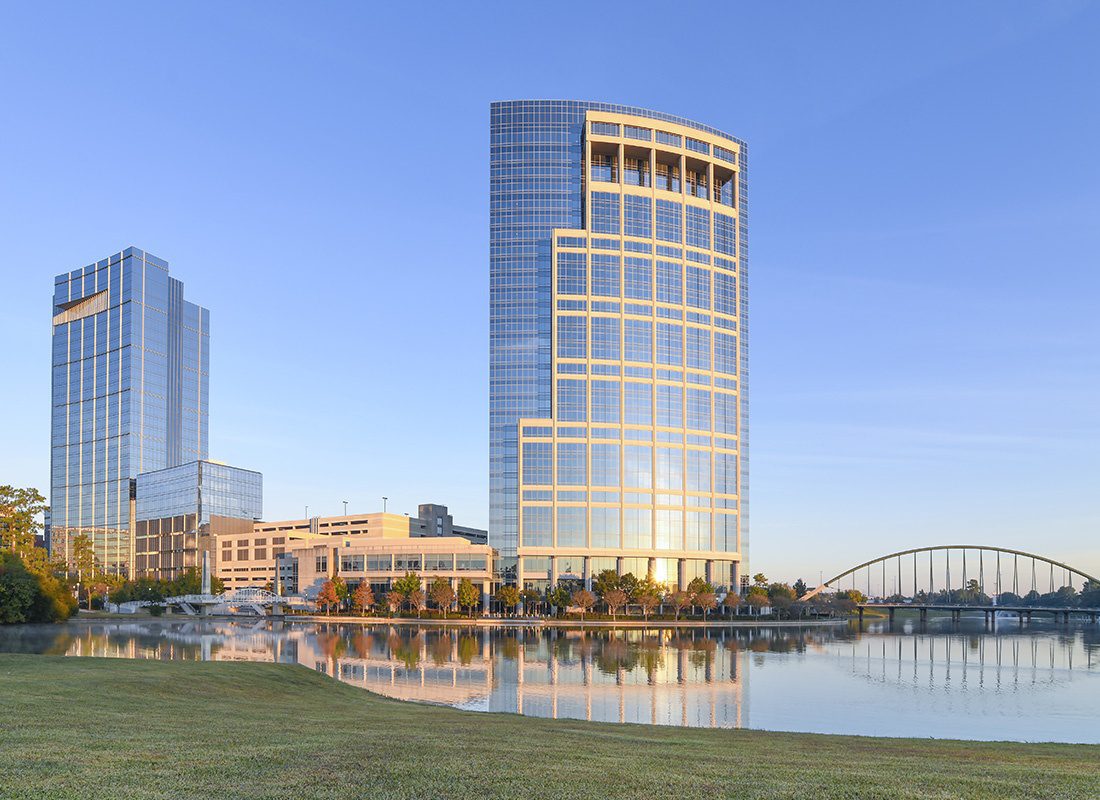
x=861 y=615
x=924 y=616
x=891 y=617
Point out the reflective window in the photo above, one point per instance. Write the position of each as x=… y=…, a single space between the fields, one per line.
x=536 y=526
x=572 y=463
x=605 y=338
x=670 y=347
x=605 y=275
x=572 y=273
x=698 y=287
x=605 y=465
x=605 y=213
x=697 y=530
x=725 y=234
x=638 y=466
x=670 y=468
x=537 y=462
x=669 y=282
x=698 y=227
x=698 y=409
x=571 y=400
x=638 y=530
x=670 y=401
x=637 y=212
x=605 y=527
x=605 y=401
x=698 y=348
x=725 y=293
x=697 y=474
x=571 y=336
x=638 y=340
x=572 y=526
x=639 y=403
x=669 y=224
x=670 y=532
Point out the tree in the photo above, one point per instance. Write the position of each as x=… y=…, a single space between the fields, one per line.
x=326 y=598
x=415 y=600
x=558 y=597
x=582 y=599
x=394 y=600
x=615 y=599
x=629 y=584
x=699 y=585
x=757 y=599
x=26 y=597
x=731 y=601
x=1090 y=595
x=648 y=599
x=530 y=599
x=442 y=594
x=83 y=558
x=508 y=597
x=409 y=582
x=759 y=579
x=341 y=587
x=605 y=582
x=468 y=595
x=800 y=588
x=19 y=510
x=680 y=600
x=363 y=598
x=706 y=601
x=777 y=590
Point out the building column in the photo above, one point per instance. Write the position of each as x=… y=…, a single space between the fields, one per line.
x=485 y=597
x=619 y=566
x=709 y=572
x=586 y=572
x=736 y=577
x=553 y=570
x=651 y=568
x=681 y=584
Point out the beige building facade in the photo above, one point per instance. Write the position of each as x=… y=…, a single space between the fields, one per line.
x=639 y=468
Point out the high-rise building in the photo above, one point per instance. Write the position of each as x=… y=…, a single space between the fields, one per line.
x=618 y=363
x=130 y=394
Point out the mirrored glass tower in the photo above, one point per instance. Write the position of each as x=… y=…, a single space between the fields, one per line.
x=618 y=344
x=130 y=394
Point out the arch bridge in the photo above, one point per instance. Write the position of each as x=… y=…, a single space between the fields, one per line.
x=942 y=576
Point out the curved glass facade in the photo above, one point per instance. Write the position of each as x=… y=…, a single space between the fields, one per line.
x=618 y=368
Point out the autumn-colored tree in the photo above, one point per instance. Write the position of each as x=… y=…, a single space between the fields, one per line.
x=648 y=599
x=731 y=601
x=615 y=599
x=415 y=599
x=582 y=599
x=442 y=594
x=468 y=595
x=680 y=600
x=326 y=598
x=508 y=597
x=363 y=598
x=706 y=601
x=757 y=600
x=394 y=600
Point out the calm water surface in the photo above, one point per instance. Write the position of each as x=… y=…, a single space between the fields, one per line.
x=1039 y=683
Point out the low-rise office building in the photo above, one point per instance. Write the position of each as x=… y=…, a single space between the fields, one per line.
x=379 y=561
x=181 y=511
x=248 y=558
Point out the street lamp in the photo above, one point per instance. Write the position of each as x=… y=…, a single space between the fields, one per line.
x=345 y=508
x=384 y=499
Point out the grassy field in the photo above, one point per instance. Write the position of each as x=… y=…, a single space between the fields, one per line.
x=87 y=727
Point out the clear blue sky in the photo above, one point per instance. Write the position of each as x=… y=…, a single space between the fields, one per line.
x=924 y=240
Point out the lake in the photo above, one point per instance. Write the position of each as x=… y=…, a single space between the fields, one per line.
x=1036 y=683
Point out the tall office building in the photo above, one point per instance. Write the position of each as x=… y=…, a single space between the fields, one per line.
x=130 y=394
x=618 y=364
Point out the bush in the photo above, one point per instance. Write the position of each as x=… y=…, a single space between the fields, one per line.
x=28 y=597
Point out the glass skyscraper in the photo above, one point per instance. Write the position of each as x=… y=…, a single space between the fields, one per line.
x=618 y=364
x=130 y=394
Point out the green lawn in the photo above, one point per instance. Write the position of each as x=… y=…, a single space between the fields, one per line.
x=88 y=727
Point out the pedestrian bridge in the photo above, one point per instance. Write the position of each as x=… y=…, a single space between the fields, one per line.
x=240 y=601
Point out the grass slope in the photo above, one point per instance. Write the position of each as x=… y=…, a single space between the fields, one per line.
x=88 y=727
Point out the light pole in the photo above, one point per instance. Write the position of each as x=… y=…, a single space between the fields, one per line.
x=384 y=499
x=345 y=508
